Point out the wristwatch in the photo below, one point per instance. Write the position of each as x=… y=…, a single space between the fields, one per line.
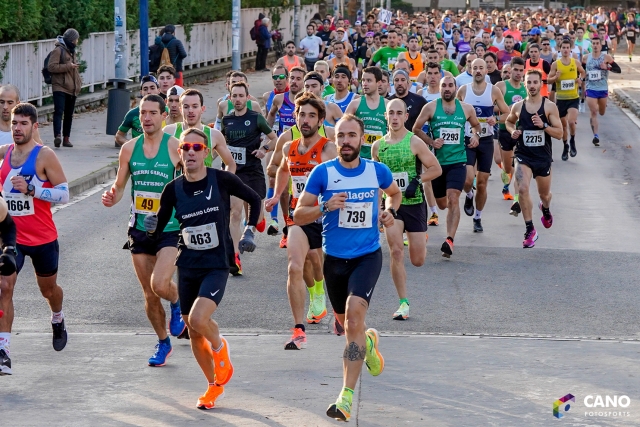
x=12 y=248
x=325 y=208
x=392 y=212
x=545 y=125
x=265 y=148
x=30 y=189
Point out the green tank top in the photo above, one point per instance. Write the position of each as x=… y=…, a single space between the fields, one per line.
x=513 y=95
x=402 y=162
x=295 y=132
x=230 y=106
x=207 y=131
x=451 y=129
x=375 y=124
x=148 y=179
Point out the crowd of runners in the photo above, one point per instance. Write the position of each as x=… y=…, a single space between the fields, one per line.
x=371 y=128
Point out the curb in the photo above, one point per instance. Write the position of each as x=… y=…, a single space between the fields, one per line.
x=86 y=182
x=631 y=104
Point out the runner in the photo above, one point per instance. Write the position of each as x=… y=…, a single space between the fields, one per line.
x=9 y=98
x=166 y=79
x=567 y=73
x=413 y=102
x=370 y=109
x=290 y=59
x=388 y=55
x=538 y=121
x=203 y=262
x=173 y=102
x=447 y=117
x=341 y=80
x=414 y=57
x=313 y=83
x=312 y=47
x=482 y=96
x=446 y=64
x=32 y=178
x=347 y=190
x=298 y=158
x=225 y=108
x=597 y=66
x=535 y=62
x=399 y=149
x=322 y=68
x=148 y=86
x=152 y=161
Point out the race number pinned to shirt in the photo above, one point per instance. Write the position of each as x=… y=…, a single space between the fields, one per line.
x=297 y=185
x=201 y=237
x=533 y=138
x=595 y=74
x=391 y=63
x=631 y=33
x=19 y=204
x=385 y=16
x=567 y=85
x=371 y=136
x=485 y=128
x=239 y=154
x=146 y=203
x=450 y=136
x=402 y=179
x=356 y=215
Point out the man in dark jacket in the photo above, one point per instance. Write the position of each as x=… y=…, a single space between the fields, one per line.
x=263 y=40
x=66 y=84
x=176 y=51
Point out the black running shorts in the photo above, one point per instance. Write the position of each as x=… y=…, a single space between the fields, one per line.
x=538 y=167
x=254 y=178
x=200 y=282
x=506 y=142
x=414 y=217
x=452 y=177
x=565 y=104
x=482 y=154
x=314 y=234
x=140 y=243
x=43 y=257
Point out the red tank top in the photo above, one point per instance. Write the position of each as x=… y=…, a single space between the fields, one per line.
x=33 y=218
x=301 y=164
x=544 y=89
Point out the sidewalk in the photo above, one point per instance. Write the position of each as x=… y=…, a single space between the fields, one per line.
x=626 y=85
x=427 y=381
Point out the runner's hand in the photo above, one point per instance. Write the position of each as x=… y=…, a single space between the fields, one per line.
x=337 y=201
x=491 y=121
x=270 y=203
x=259 y=153
x=109 y=197
x=386 y=219
x=474 y=141
x=438 y=143
x=19 y=183
x=516 y=134
x=150 y=223
x=537 y=121
x=7 y=263
x=247 y=243
x=410 y=192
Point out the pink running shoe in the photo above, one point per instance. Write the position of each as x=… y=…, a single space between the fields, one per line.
x=530 y=238
x=546 y=221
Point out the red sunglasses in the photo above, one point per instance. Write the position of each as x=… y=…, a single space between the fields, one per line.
x=187 y=146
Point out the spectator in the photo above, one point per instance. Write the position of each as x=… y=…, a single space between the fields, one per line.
x=66 y=84
x=176 y=52
x=263 y=40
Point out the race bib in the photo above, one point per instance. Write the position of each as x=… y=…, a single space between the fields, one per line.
x=239 y=154
x=146 y=203
x=450 y=136
x=201 y=237
x=402 y=179
x=567 y=85
x=297 y=185
x=485 y=128
x=19 y=204
x=533 y=138
x=356 y=215
x=595 y=74
x=631 y=33
x=391 y=63
x=371 y=136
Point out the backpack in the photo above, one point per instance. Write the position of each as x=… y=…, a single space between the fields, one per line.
x=252 y=33
x=165 y=59
x=46 y=74
x=155 y=54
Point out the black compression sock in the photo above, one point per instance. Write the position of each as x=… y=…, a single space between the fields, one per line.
x=449 y=237
x=529 y=225
x=301 y=326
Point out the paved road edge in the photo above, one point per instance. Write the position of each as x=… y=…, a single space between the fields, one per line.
x=86 y=182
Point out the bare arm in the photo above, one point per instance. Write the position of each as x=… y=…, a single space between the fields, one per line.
x=555 y=128
x=352 y=107
x=114 y=194
x=553 y=74
x=220 y=146
x=462 y=91
x=275 y=106
x=430 y=166
x=425 y=115
x=121 y=138
x=512 y=118
x=276 y=157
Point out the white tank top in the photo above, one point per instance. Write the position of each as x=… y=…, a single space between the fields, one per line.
x=5 y=138
x=430 y=96
x=483 y=105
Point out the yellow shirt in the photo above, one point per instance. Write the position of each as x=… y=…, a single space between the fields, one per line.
x=566 y=86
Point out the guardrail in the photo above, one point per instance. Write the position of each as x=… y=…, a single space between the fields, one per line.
x=206 y=43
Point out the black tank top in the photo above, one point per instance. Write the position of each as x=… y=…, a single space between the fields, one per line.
x=534 y=143
x=204 y=229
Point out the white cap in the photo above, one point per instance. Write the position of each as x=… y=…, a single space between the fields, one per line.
x=175 y=90
x=551 y=28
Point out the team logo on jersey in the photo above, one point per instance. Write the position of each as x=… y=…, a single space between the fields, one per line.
x=516 y=98
x=247 y=122
x=478 y=111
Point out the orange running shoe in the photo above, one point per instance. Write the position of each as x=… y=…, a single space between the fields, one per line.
x=433 y=220
x=208 y=399
x=236 y=270
x=261 y=226
x=222 y=363
x=298 y=340
x=506 y=195
x=283 y=242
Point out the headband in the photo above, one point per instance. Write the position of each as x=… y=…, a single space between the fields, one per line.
x=403 y=72
x=343 y=70
x=315 y=77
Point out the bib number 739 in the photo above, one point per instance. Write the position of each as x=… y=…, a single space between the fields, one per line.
x=356 y=215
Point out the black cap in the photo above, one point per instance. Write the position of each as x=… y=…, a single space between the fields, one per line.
x=170 y=29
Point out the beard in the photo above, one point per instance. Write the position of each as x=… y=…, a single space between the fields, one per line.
x=308 y=132
x=23 y=139
x=351 y=156
x=401 y=91
x=449 y=97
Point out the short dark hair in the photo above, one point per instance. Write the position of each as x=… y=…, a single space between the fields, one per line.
x=155 y=98
x=308 y=98
x=565 y=41
x=240 y=84
x=167 y=69
x=534 y=45
x=239 y=74
x=377 y=74
x=198 y=132
x=192 y=92
x=290 y=42
x=25 y=109
x=520 y=61
x=509 y=36
x=298 y=69
x=433 y=65
x=353 y=118
x=492 y=55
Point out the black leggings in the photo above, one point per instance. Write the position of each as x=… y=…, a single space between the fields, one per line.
x=63 y=104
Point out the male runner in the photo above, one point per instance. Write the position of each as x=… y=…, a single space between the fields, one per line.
x=398 y=149
x=415 y=58
x=413 y=102
x=152 y=161
x=290 y=59
x=345 y=193
x=447 y=118
x=538 y=121
x=203 y=262
x=535 y=62
x=482 y=96
x=370 y=108
x=9 y=98
x=173 y=102
x=299 y=157
x=341 y=81
x=166 y=79
x=32 y=178
x=597 y=66
x=322 y=68
x=313 y=83
x=225 y=108
x=148 y=86
x=567 y=73
x=388 y=55
x=446 y=64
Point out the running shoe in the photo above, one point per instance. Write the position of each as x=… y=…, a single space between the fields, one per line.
x=208 y=399
x=372 y=358
x=298 y=340
x=565 y=152
x=402 y=313
x=341 y=410
x=261 y=225
x=506 y=195
x=184 y=335
x=176 y=323
x=468 y=206
x=596 y=141
x=337 y=327
x=433 y=219
x=283 y=242
x=59 y=335
x=530 y=238
x=5 y=363
x=547 y=220
x=581 y=108
x=447 y=248
x=405 y=240
x=222 y=363
x=317 y=309
x=572 y=148
x=515 y=209
x=237 y=269
x=159 y=358
x=477 y=226
x=273 y=228
x=506 y=178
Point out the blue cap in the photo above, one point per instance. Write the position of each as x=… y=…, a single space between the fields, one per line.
x=535 y=31
x=447 y=19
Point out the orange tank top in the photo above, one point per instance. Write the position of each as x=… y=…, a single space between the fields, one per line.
x=334 y=62
x=417 y=66
x=301 y=164
x=544 y=89
x=290 y=65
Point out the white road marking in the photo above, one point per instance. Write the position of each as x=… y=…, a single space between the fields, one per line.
x=80 y=197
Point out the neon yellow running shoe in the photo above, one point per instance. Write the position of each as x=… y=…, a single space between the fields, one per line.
x=506 y=178
x=372 y=358
x=402 y=313
x=317 y=308
x=341 y=410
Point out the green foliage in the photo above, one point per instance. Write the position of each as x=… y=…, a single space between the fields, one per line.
x=402 y=5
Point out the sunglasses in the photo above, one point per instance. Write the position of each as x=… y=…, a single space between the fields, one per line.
x=279 y=76
x=197 y=146
x=546 y=44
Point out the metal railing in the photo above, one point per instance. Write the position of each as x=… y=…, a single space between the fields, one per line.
x=206 y=43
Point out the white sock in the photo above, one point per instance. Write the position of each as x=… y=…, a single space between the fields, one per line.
x=434 y=209
x=5 y=340
x=470 y=193
x=478 y=214
x=57 y=317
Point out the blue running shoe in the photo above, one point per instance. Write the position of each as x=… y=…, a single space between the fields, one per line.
x=163 y=351
x=176 y=323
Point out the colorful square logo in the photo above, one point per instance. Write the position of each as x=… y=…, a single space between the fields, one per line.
x=559 y=405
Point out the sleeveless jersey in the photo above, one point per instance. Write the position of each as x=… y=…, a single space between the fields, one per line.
x=342 y=103
x=417 y=65
x=295 y=132
x=548 y=57
x=534 y=143
x=596 y=77
x=430 y=96
x=300 y=165
x=544 y=89
x=513 y=95
x=450 y=128
x=566 y=87
x=483 y=104
x=267 y=105
x=148 y=179
x=289 y=65
x=230 y=106
x=334 y=63
x=402 y=163
x=33 y=218
x=6 y=138
x=207 y=131
x=287 y=120
x=375 y=124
